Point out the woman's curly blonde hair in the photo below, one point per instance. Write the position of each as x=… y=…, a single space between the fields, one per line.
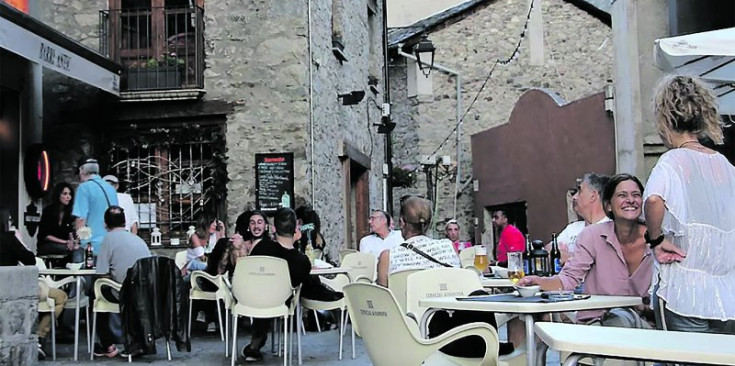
x=685 y=104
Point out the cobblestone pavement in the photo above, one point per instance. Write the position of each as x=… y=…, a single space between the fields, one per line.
x=207 y=349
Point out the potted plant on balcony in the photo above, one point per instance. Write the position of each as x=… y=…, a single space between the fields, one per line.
x=164 y=72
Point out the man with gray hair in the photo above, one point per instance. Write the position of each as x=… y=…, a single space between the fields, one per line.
x=92 y=199
x=587 y=203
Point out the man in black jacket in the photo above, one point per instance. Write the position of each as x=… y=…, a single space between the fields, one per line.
x=299 y=266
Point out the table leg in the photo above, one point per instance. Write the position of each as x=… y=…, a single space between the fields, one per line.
x=76 y=318
x=530 y=340
x=573 y=359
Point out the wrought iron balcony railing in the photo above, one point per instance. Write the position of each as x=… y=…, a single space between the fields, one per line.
x=159 y=48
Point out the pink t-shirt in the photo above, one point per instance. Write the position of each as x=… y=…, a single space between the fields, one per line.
x=511 y=240
x=598 y=261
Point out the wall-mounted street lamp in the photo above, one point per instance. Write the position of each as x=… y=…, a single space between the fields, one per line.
x=352 y=97
x=424 y=51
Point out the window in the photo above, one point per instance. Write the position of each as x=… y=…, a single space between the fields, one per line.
x=172 y=175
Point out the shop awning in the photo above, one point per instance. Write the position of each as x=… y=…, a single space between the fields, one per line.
x=709 y=55
x=41 y=44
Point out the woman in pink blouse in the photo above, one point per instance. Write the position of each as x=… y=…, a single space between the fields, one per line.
x=612 y=258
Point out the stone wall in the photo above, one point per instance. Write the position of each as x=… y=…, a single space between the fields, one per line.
x=257 y=60
x=18 y=314
x=578 y=63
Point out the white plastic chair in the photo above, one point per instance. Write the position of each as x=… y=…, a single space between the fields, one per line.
x=103 y=305
x=397 y=285
x=393 y=339
x=360 y=265
x=467 y=257
x=47 y=305
x=72 y=304
x=336 y=284
x=180 y=259
x=438 y=282
x=344 y=252
x=261 y=285
x=222 y=293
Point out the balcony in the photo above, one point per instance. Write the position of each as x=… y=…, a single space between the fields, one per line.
x=161 y=50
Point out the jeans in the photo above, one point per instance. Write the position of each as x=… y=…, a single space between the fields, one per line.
x=691 y=324
x=77 y=255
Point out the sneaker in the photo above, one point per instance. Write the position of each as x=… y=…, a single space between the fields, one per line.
x=251 y=355
x=110 y=351
x=211 y=327
x=41 y=353
x=201 y=317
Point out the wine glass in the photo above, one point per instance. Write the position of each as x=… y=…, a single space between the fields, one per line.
x=515 y=266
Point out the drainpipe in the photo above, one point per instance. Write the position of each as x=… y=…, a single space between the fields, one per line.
x=388 y=145
x=458 y=85
x=311 y=108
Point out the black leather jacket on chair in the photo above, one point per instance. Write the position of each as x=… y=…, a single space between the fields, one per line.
x=154 y=304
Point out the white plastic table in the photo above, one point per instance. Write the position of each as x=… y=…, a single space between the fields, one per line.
x=637 y=344
x=496 y=282
x=327 y=271
x=526 y=310
x=77 y=274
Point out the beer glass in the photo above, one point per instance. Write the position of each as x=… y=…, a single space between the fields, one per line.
x=515 y=266
x=481 y=259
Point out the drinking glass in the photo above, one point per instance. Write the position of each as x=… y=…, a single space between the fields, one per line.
x=515 y=266
x=481 y=259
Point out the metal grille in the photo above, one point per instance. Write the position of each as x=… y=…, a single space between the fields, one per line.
x=170 y=184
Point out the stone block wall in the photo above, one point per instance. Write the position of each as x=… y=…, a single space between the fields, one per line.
x=578 y=62
x=18 y=314
x=257 y=60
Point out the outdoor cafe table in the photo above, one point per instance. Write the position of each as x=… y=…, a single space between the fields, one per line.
x=637 y=344
x=77 y=274
x=526 y=310
x=496 y=282
x=327 y=271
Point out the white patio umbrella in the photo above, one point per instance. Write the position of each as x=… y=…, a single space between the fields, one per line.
x=709 y=55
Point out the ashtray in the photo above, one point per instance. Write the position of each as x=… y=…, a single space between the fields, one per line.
x=560 y=295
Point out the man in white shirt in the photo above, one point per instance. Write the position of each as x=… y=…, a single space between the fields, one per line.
x=381 y=236
x=126 y=202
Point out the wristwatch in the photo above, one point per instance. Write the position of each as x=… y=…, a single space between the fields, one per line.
x=653 y=242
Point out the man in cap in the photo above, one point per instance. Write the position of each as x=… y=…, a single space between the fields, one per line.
x=451 y=232
x=126 y=202
x=93 y=197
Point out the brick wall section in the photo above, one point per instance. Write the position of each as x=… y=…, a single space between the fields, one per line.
x=18 y=314
x=257 y=59
x=578 y=62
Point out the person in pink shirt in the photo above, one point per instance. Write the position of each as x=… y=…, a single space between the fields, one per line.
x=611 y=257
x=451 y=231
x=511 y=239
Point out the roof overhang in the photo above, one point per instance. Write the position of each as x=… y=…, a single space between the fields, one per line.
x=41 y=44
x=708 y=55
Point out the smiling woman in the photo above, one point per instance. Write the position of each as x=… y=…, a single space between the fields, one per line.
x=612 y=257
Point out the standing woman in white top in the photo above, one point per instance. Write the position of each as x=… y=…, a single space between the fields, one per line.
x=690 y=211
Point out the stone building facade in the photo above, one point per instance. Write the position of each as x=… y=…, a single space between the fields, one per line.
x=271 y=84
x=578 y=52
x=18 y=313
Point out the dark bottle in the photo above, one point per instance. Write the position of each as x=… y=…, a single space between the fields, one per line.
x=88 y=257
x=555 y=256
x=539 y=259
x=527 y=265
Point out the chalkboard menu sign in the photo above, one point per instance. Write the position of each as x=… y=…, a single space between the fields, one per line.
x=274 y=181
